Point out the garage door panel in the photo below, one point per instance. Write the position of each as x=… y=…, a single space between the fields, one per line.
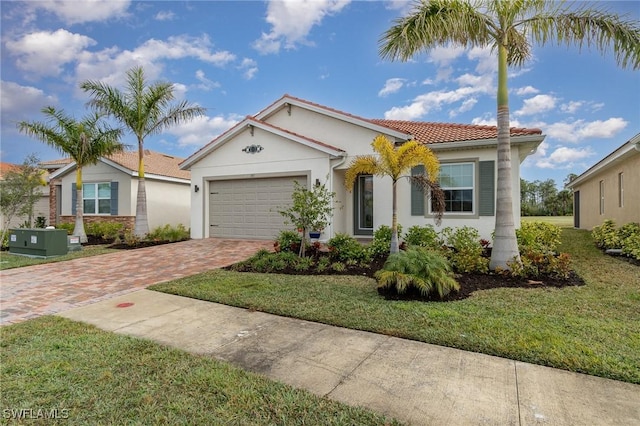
x=248 y=208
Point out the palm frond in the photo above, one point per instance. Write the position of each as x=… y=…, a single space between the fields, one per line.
x=365 y=164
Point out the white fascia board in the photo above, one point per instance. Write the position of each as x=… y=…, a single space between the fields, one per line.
x=62 y=171
x=333 y=114
x=625 y=150
x=120 y=167
x=152 y=176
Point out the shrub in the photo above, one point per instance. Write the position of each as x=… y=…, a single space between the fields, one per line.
x=381 y=243
x=343 y=248
x=169 y=233
x=465 y=251
x=631 y=246
x=605 y=235
x=627 y=237
x=288 y=241
x=539 y=237
x=425 y=270
x=323 y=264
x=67 y=227
x=41 y=222
x=535 y=263
x=422 y=236
x=106 y=230
x=338 y=266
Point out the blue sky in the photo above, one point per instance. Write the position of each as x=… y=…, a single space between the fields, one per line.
x=235 y=58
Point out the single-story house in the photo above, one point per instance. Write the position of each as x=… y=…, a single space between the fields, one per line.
x=40 y=208
x=609 y=189
x=243 y=177
x=110 y=190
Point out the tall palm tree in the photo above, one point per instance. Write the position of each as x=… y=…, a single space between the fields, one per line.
x=145 y=109
x=509 y=27
x=396 y=163
x=85 y=141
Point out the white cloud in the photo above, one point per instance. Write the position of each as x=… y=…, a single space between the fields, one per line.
x=443 y=56
x=467 y=105
x=527 y=90
x=536 y=105
x=564 y=158
x=579 y=130
x=18 y=101
x=205 y=83
x=76 y=12
x=571 y=106
x=392 y=85
x=249 y=68
x=165 y=15
x=292 y=20
x=44 y=53
x=201 y=130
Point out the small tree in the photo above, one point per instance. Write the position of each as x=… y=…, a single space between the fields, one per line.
x=18 y=193
x=311 y=210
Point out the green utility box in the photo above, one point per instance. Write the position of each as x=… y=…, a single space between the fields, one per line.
x=38 y=242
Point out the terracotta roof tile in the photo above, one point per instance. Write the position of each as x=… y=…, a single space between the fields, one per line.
x=426 y=132
x=8 y=167
x=155 y=163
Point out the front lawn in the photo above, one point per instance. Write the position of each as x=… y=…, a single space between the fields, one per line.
x=52 y=366
x=594 y=329
x=8 y=260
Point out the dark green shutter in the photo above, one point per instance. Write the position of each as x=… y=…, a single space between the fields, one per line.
x=74 y=197
x=487 y=188
x=417 y=194
x=114 y=198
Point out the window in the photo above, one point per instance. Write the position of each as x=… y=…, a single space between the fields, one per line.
x=457 y=183
x=96 y=198
x=620 y=189
x=601 y=197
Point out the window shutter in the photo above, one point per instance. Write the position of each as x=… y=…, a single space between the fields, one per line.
x=74 y=198
x=417 y=194
x=114 y=198
x=487 y=188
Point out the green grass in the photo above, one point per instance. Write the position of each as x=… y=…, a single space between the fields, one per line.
x=8 y=261
x=95 y=377
x=593 y=329
x=561 y=221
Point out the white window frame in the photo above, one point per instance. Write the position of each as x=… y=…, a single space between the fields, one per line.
x=96 y=199
x=602 y=197
x=474 y=201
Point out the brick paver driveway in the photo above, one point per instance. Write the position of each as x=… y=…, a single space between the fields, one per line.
x=54 y=287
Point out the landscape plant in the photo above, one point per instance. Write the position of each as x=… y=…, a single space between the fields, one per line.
x=379 y=246
x=169 y=233
x=422 y=236
x=509 y=28
x=84 y=141
x=311 y=210
x=463 y=248
x=288 y=241
x=144 y=109
x=625 y=238
x=537 y=236
x=343 y=248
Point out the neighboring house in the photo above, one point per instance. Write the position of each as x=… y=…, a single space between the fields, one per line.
x=110 y=190
x=243 y=177
x=609 y=189
x=41 y=207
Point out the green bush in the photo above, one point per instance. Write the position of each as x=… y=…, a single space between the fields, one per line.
x=422 y=236
x=465 y=251
x=627 y=237
x=606 y=236
x=66 y=226
x=265 y=261
x=425 y=270
x=343 y=248
x=535 y=264
x=539 y=237
x=631 y=246
x=381 y=243
x=169 y=233
x=105 y=230
x=288 y=241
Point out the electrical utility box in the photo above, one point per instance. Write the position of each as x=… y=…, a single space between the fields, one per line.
x=38 y=242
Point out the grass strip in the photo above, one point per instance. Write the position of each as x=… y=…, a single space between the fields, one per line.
x=592 y=329
x=51 y=366
x=9 y=261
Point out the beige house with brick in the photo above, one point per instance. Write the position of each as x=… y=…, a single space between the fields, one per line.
x=610 y=189
x=110 y=190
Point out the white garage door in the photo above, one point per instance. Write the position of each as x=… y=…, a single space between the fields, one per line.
x=248 y=208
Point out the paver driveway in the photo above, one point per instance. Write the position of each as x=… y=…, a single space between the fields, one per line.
x=54 y=287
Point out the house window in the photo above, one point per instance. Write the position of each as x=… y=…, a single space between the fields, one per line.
x=601 y=197
x=457 y=183
x=96 y=198
x=620 y=189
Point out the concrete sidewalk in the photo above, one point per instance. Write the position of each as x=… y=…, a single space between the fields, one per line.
x=413 y=382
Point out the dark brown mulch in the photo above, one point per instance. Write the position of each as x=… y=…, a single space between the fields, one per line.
x=93 y=240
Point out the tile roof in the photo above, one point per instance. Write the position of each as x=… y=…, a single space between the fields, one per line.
x=426 y=132
x=8 y=167
x=155 y=163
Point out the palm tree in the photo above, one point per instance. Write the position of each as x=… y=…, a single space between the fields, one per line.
x=395 y=163
x=145 y=109
x=509 y=27
x=84 y=141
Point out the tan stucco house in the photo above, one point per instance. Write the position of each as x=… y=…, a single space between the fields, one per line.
x=110 y=190
x=243 y=177
x=609 y=189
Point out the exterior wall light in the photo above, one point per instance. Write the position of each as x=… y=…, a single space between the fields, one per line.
x=196 y=188
x=252 y=149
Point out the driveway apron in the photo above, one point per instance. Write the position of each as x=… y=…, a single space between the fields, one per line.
x=49 y=288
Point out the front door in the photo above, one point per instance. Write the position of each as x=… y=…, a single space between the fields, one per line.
x=363 y=205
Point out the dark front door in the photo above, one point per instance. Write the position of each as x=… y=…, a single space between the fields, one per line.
x=363 y=205
x=576 y=209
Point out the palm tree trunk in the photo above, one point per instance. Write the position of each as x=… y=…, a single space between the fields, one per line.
x=78 y=230
x=505 y=244
x=141 y=227
x=394 y=221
